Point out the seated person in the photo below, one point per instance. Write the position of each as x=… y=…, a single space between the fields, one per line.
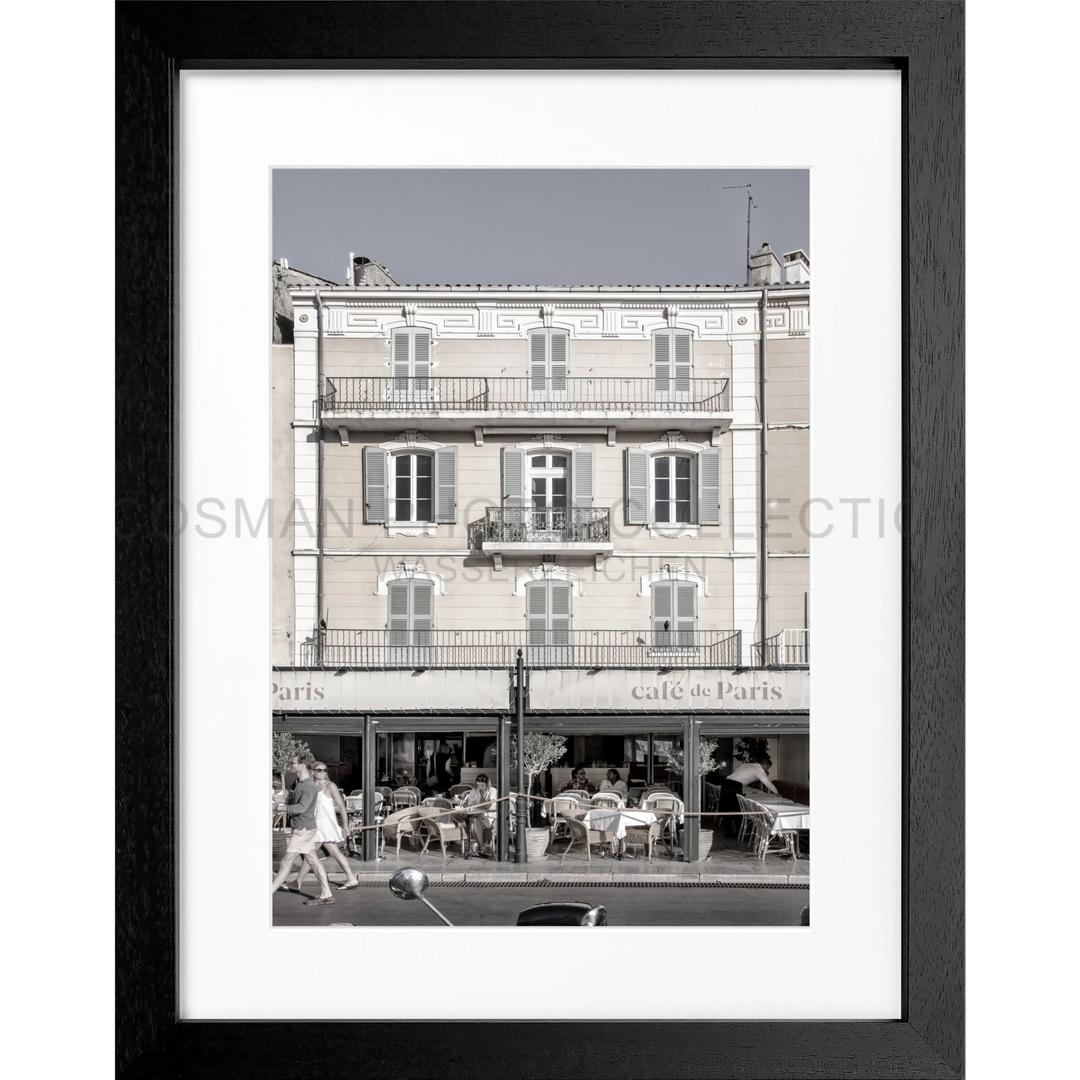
x=579 y=782
x=480 y=827
x=612 y=783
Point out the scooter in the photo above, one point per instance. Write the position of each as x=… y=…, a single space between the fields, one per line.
x=411 y=884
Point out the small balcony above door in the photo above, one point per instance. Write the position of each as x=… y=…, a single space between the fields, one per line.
x=544 y=530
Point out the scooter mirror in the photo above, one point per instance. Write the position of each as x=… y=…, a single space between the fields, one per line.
x=596 y=916
x=409 y=883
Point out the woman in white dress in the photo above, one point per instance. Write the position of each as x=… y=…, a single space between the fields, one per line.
x=328 y=832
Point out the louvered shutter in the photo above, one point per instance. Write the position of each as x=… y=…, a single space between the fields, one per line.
x=446 y=485
x=709 y=487
x=538 y=364
x=401 y=361
x=513 y=480
x=662 y=613
x=558 y=363
x=582 y=469
x=423 y=612
x=375 y=463
x=685 y=614
x=662 y=361
x=536 y=615
x=559 y=618
x=421 y=362
x=397 y=617
x=637 y=487
x=682 y=368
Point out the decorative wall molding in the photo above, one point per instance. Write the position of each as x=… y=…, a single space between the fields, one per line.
x=407 y=572
x=548 y=572
x=410 y=440
x=673 y=572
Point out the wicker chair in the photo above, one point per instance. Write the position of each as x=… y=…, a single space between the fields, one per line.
x=435 y=822
x=578 y=831
x=404 y=822
x=560 y=809
x=607 y=798
x=459 y=789
x=404 y=797
x=645 y=835
x=670 y=808
x=437 y=800
x=748 y=823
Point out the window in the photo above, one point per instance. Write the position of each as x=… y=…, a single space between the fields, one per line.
x=671 y=486
x=411 y=363
x=674 y=614
x=549 y=477
x=671 y=491
x=410 y=622
x=545 y=491
x=547 y=365
x=410 y=485
x=548 y=616
x=673 y=366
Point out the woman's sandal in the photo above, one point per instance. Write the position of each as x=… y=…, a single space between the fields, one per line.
x=346 y=888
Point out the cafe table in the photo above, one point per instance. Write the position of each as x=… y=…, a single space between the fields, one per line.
x=614 y=820
x=789 y=816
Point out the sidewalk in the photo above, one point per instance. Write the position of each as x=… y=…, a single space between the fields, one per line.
x=728 y=863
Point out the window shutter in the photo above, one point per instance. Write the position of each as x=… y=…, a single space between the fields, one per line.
x=375 y=461
x=513 y=480
x=709 y=487
x=560 y=613
x=558 y=363
x=421 y=360
x=637 y=487
x=536 y=613
x=662 y=612
x=423 y=611
x=397 y=607
x=685 y=613
x=683 y=367
x=662 y=361
x=446 y=485
x=401 y=360
x=581 y=478
x=538 y=362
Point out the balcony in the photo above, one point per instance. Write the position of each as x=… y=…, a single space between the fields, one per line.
x=463 y=402
x=381 y=650
x=789 y=648
x=529 y=530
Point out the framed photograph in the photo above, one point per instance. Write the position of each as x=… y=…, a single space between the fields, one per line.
x=918 y=392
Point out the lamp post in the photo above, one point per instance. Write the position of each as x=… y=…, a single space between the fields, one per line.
x=520 y=853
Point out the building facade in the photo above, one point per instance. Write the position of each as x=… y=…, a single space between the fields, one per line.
x=610 y=480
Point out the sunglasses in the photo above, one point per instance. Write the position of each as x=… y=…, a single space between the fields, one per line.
x=319 y=770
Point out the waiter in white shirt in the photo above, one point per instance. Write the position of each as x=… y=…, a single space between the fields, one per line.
x=732 y=786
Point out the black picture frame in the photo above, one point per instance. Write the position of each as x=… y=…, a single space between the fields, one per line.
x=924 y=40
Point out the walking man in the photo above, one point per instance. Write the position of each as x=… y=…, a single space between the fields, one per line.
x=300 y=811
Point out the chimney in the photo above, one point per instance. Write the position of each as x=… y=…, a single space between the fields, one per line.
x=367 y=272
x=796 y=268
x=764 y=267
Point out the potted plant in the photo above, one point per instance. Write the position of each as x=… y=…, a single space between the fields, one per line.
x=540 y=752
x=706 y=763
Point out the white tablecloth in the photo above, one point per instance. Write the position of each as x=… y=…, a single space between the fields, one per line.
x=789 y=815
x=615 y=820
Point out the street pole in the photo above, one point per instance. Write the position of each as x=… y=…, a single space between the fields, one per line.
x=520 y=854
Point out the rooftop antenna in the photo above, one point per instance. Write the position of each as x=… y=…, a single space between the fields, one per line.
x=749 y=203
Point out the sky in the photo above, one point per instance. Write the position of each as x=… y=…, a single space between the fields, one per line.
x=538 y=226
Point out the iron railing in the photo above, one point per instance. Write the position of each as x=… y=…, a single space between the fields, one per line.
x=789 y=648
x=555 y=525
x=381 y=650
x=351 y=394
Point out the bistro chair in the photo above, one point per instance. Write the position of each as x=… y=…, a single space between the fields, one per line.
x=645 y=835
x=385 y=792
x=358 y=791
x=581 y=796
x=560 y=809
x=437 y=800
x=607 y=798
x=785 y=838
x=400 y=823
x=747 y=823
x=404 y=797
x=669 y=809
x=435 y=822
x=633 y=795
x=459 y=789
x=578 y=831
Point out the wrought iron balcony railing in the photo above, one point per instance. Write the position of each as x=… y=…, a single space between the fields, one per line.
x=554 y=525
x=483 y=394
x=789 y=648
x=381 y=650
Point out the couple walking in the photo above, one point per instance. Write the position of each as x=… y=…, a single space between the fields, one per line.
x=312 y=810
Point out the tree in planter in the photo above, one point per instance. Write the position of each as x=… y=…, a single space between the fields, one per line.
x=285 y=748
x=706 y=763
x=541 y=752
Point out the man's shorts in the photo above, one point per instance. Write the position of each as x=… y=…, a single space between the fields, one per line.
x=301 y=842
